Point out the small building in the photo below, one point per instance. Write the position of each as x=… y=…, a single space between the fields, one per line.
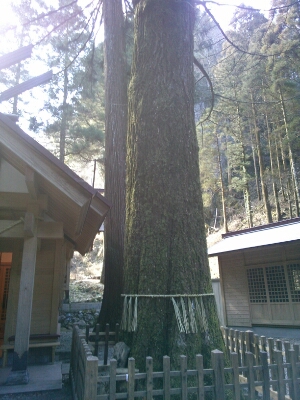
x=46 y=212
x=260 y=275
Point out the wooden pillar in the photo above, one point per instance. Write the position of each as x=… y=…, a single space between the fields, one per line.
x=19 y=374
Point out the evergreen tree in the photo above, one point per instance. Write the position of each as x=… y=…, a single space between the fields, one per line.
x=165 y=245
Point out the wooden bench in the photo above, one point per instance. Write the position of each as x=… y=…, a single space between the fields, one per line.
x=36 y=340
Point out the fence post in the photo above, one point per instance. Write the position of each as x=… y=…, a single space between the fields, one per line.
x=167 y=383
x=183 y=376
x=117 y=330
x=149 y=372
x=200 y=376
x=226 y=334
x=90 y=378
x=97 y=340
x=294 y=387
x=296 y=348
x=231 y=341
x=279 y=344
x=87 y=333
x=112 y=379
x=106 y=344
x=263 y=343
x=250 y=375
x=217 y=362
x=249 y=335
x=280 y=375
x=265 y=375
x=235 y=371
x=131 y=378
x=272 y=361
x=243 y=348
x=287 y=346
x=237 y=346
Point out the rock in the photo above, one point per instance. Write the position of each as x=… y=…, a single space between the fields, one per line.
x=121 y=351
x=81 y=324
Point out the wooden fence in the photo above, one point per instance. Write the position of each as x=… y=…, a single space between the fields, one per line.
x=224 y=383
x=83 y=368
x=102 y=338
x=283 y=360
x=249 y=373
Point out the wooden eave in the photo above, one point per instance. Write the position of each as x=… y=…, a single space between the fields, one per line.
x=72 y=201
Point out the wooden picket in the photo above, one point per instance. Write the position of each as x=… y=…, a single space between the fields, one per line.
x=249 y=373
x=83 y=368
x=276 y=356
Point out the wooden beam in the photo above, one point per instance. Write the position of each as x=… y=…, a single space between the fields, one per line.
x=60 y=259
x=23 y=87
x=20 y=201
x=29 y=224
x=82 y=217
x=31 y=183
x=15 y=56
x=45 y=229
x=12 y=147
x=50 y=230
x=20 y=355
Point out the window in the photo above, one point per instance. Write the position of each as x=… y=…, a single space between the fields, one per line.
x=278 y=292
x=294 y=281
x=256 y=285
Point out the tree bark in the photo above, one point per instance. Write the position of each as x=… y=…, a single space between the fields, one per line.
x=165 y=248
x=275 y=188
x=255 y=166
x=222 y=185
x=291 y=157
x=115 y=159
x=264 y=189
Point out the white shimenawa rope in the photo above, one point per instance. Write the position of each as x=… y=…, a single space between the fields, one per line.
x=186 y=317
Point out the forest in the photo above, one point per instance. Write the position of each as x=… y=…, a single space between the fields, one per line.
x=246 y=100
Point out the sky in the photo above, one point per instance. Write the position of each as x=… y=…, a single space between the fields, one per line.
x=223 y=13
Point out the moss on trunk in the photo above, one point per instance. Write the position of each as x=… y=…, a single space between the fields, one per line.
x=165 y=244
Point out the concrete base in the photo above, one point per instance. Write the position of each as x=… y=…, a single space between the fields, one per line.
x=41 y=377
x=17 y=378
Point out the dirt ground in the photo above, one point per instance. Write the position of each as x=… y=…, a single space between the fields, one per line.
x=64 y=394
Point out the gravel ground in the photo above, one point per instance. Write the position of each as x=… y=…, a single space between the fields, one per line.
x=64 y=394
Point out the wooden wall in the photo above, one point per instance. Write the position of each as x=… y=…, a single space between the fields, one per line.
x=233 y=276
x=235 y=289
x=47 y=288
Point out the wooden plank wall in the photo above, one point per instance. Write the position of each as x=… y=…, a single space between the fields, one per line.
x=234 y=282
x=43 y=287
x=235 y=289
x=42 y=313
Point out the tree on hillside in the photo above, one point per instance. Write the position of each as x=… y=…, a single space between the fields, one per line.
x=165 y=244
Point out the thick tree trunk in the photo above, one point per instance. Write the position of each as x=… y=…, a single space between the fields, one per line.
x=165 y=245
x=115 y=159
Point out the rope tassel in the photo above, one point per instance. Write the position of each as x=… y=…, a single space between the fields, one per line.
x=189 y=313
x=178 y=316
